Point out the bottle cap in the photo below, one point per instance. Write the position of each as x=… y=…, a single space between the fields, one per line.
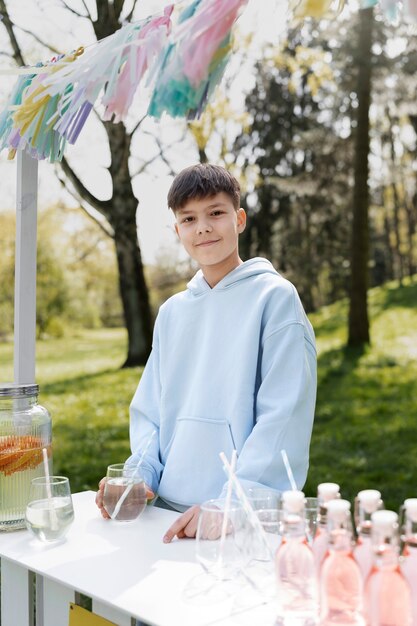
x=328 y=491
x=410 y=506
x=293 y=501
x=384 y=520
x=337 y=509
x=369 y=499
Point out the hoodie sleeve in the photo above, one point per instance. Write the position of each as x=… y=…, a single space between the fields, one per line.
x=144 y=419
x=284 y=410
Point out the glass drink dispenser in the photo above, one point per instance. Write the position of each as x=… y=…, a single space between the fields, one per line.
x=25 y=429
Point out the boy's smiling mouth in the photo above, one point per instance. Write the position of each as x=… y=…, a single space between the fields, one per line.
x=207 y=243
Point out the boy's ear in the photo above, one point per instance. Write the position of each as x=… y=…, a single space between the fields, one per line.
x=176 y=230
x=241 y=220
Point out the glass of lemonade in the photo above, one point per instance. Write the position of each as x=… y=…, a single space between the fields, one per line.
x=124 y=495
x=49 y=511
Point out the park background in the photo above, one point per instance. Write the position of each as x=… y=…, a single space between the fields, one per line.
x=318 y=120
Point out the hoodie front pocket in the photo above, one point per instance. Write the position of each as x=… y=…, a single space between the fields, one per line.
x=193 y=470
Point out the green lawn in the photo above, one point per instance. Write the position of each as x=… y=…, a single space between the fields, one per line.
x=365 y=433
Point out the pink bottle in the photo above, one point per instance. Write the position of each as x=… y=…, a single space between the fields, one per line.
x=409 y=558
x=367 y=502
x=294 y=566
x=325 y=493
x=340 y=577
x=387 y=594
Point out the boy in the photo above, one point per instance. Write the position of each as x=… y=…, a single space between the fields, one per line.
x=233 y=363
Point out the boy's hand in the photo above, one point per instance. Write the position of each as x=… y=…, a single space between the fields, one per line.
x=184 y=526
x=99 y=497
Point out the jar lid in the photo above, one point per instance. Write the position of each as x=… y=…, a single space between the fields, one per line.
x=16 y=390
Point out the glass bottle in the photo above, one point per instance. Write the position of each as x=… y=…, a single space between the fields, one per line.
x=25 y=429
x=367 y=502
x=387 y=594
x=325 y=493
x=294 y=565
x=340 y=577
x=409 y=556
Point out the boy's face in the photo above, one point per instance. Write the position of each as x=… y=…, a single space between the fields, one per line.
x=209 y=228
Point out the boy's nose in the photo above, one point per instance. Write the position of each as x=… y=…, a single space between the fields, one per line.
x=203 y=228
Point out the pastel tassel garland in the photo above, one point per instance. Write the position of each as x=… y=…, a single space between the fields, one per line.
x=138 y=59
x=7 y=132
x=115 y=68
x=50 y=103
x=193 y=63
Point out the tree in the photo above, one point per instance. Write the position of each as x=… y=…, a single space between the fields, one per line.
x=358 y=305
x=297 y=210
x=119 y=211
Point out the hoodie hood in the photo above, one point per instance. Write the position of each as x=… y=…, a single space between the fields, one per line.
x=198 y=284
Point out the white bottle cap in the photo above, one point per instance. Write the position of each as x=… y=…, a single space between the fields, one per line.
x=410 y=506
x=337 y=509
x=384 y=520
x=369 y=499
x=328 y=491
x=293 y=501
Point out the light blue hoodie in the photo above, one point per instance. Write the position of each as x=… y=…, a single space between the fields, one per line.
x=231 y=367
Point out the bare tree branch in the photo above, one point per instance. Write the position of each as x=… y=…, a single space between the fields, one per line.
x=74 y=11
x=39 y=40
x=17 y=53
x=135 y=128
x=130 y=15
x=90 y=17
x=102 y=206
x=163 y=149
x=156 y=156
x=107 y=231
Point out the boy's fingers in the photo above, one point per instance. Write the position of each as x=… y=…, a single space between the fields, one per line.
x=149 y=493
x=178 y=526
x=191 y=529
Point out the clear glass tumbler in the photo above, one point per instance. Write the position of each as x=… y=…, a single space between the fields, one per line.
x=124 y=496
x=49 y=512
x=221 y=540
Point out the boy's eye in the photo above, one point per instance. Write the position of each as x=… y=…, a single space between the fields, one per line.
x=186 y=219
x=218 y=212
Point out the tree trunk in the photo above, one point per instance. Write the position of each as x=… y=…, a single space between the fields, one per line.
x=134 y=293
x=358 y=306
x=122 y=217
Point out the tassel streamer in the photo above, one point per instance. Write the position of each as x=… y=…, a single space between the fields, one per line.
x=115 y=67
x=15 y=100
x=193 y=63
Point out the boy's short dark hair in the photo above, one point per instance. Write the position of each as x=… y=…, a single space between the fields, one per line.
x=201 y=181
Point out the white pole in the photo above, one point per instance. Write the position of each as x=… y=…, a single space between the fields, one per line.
x=25 y=269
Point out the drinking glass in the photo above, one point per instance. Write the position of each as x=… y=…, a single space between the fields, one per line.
x=124 y=496
x=222 y=555
x=263 y=498
x=49 y=511
x=271 y=523
x=311 y=512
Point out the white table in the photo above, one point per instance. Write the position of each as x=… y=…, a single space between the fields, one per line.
x=125 y=568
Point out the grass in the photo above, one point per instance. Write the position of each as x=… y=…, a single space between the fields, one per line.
x=365 y=433
x=88 y=396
